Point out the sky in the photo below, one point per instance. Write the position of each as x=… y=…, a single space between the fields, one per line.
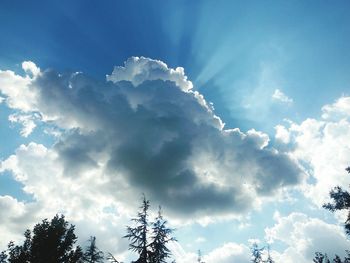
x=234 y=116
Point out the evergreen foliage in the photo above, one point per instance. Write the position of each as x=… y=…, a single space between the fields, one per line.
x=321 y=258
x=199 y=258
x=337 y=259
x=150 y=244
x=92 y=254
x=3 y=257
x=256 y=253
x=161 y=236
x=137 y=235
x=269 y=257
x=261 y=255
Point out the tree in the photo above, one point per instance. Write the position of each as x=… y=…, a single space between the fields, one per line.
x=92 y=253
x=347 y=257
x=341 y=201
x=3 y=257
x=269 y=257
x=256 y=253
x=112 y=259
x=138 y=234
x=19 y=254
x=161 y=236
x=152 y=248
x=321 y=258
x=199 y=258
x=51 y=242
x=337 y=259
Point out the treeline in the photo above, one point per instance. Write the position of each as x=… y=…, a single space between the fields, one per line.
x=55 y=241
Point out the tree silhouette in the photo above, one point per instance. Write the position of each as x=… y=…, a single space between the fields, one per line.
x=112 y=259
x=138 y=234
x=341 y=201
x=321 y=258
x=337 y=259
x=161 y=236
x=18 y=254
x=151 y=246
x=269 y=257
x=54 y=242
x=256 y=253
x=92 y=254
x=199 y=258
x=51 y=242
x=3 y=257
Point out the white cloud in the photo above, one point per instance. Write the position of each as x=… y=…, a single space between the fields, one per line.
x=17 y=91
x=282 y=134
x=180 y=255
x=31 y=68
x=278 y=95
x=15 y=217
x=139 y=69
x=322 y=144
x=304 y=236
x=339 y=109
x=80 y=199
x=27 y=121
x=200 y=240
x=227 y=253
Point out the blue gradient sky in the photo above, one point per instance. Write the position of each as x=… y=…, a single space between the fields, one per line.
x=224 y=46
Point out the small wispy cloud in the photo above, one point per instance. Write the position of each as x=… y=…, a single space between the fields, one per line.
x=200 y=240
x=27 y=122
x=278 y=95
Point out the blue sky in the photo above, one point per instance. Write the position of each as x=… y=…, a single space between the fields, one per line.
x=279 y=71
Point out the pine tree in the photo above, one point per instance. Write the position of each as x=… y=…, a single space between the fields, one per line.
x=112 y=259
x=160 y=238
x=138 y=234
x=269 y=258
x=337 y=259
x=92 y=253
x=76 y=256
x=256 y=253
x=347 y=257
x=321 y=258
x=199 y=258
x=3 y=257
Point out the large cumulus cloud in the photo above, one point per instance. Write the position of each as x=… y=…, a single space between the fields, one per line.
x=145 y=129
